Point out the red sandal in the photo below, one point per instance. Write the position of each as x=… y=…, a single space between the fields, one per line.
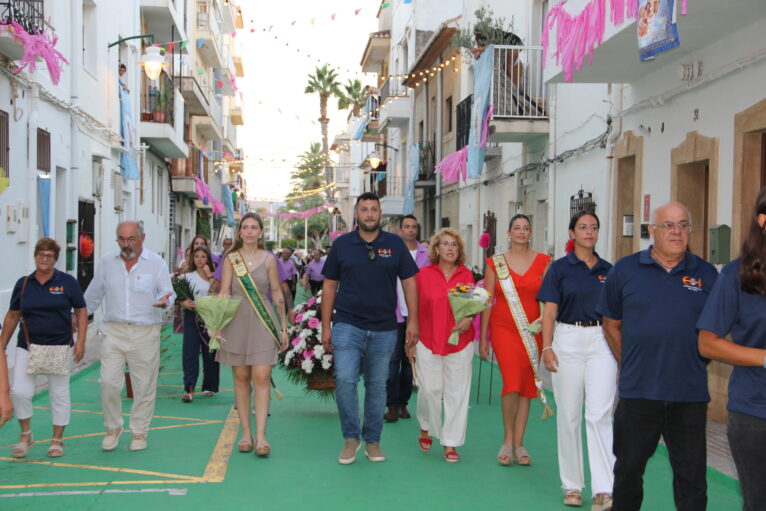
x=425 y=442
x=451 y=457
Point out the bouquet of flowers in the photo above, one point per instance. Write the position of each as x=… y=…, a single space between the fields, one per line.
x=183 y=290
x=216 y=312
x=466 y=300
x=305 y=359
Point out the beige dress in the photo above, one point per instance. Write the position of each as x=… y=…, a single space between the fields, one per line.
x=248 y=342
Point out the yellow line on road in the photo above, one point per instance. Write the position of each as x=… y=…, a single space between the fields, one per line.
x=102 y=433
x=100 y=483
x=215 y=471
x=97 y=467
x=94 y=412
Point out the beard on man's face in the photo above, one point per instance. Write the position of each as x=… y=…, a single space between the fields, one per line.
x=369 y=228
x=128 y=252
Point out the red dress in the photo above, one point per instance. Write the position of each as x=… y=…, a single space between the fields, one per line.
x=509 y=349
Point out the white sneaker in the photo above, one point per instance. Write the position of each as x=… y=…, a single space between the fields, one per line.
x=112 y=438
x=138 y=443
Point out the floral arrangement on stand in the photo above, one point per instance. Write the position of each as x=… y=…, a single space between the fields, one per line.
x=305 y=359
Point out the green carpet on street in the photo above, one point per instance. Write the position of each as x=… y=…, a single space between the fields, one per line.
x=192 y=462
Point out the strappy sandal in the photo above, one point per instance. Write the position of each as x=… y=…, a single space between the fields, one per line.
x=451 y=456
x=263 y=450
x=522 y=456
x=506 y=451
x=56 y=450
x=21 y=449
x=425 y=442
x=246 y=445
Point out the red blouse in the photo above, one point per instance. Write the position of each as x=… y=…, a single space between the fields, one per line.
x=434 y=312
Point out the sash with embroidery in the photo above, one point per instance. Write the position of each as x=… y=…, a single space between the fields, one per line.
x=251 y=291
x=522 y=325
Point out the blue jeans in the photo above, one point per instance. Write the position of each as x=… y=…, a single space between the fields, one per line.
x=399 y=385
x=355 y=349
x=747 y=438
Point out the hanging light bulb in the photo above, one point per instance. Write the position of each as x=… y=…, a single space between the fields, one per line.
x=153 y=62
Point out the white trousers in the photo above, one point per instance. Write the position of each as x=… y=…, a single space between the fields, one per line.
x=587 y=372
x=444 y=381
x=139 y=347
x=23 y=390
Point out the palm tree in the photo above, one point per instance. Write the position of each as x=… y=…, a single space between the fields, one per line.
x=325 y=83
x=308 y=171
x=352 y=96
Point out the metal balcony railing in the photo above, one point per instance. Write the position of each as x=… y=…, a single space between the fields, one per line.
x=392 y=88
x=27 y=13
x=463 y=122
x=427 y=161
x=518 y=89
x=371 y=107
x=342 y=175
x=158 y=100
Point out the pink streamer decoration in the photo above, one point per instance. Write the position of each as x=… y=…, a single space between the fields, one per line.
x=39 y=45
x=334 y=235
x=683 y=7
x=455 y=166
x=300 y=214
x=577 y=36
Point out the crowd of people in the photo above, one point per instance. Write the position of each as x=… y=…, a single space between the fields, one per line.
x=627 y=342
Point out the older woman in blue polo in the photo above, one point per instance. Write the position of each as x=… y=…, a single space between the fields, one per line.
x=43 y=302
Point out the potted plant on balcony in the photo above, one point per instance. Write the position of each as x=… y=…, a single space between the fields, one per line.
x=161 y=103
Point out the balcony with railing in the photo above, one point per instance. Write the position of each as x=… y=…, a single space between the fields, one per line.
x=162 y=114
x=342 y=177
x=463 y=130
x=391 y=190
x=164 y=19
x=426 y=165
x=27 y=13
x=229 y=134
x=208 y=32
x=394 y=104
x=196 y=96
x=210 y=126
x=519 y=95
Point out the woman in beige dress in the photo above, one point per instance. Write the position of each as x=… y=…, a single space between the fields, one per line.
x=250 y=349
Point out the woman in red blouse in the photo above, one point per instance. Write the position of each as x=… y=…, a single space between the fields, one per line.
x=443 y=370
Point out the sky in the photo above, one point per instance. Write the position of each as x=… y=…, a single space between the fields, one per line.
x=278 y=115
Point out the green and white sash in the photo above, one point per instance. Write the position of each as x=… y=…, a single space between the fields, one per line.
x=522 y=325
x=251 y=291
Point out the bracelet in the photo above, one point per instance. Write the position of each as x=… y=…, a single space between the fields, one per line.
x=546 y=348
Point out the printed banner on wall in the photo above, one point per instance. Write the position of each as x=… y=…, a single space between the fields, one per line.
x=128 y=158
x=657 y=30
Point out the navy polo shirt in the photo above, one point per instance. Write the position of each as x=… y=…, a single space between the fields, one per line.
x=366 y=295
x=574 y=287
x=47 y=308
x=731 y=310
x=659 y=311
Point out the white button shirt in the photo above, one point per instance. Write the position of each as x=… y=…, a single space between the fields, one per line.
x=129 y=296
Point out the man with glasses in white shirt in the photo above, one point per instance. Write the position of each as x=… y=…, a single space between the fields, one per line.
x=135 y=285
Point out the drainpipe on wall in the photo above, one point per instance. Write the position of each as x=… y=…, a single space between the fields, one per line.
x=552 y=168
x=611 y=166
x=426 y=191
x=438 y=151
x=75 y=56
x=32 y=233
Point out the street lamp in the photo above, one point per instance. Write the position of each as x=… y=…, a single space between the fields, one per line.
x=374 y=158
x=152 y=60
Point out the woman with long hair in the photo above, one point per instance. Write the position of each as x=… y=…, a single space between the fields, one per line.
x=196 y=339
x=254 y=336
x=198 y=241
x=581 y=365
x=518 y=270
x=737 y=306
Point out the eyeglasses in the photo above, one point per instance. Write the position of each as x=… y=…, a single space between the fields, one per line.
x=130 y=240
x=370 y=252
x=45 y=255
x=683 y=225
x=449 y=244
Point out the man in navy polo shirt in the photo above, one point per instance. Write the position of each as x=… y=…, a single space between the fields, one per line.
x=360 y=288
x=650 y=303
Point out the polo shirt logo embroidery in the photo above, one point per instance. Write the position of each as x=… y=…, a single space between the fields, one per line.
x=602 y=278
x=692 y=284
x=56 y=290
x=385 y=252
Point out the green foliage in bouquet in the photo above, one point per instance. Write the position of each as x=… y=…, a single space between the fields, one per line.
x=182 y=289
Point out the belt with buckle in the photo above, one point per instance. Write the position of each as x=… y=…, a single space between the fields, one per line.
x=582 y=323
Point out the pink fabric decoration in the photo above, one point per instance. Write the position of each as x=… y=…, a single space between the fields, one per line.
x=218 y=207
x=39 y=45
x=455 y=166
x=484 y=240
x=300 y=214
x=335 y=234
x=683 y=7
x=577 y=36
x=570 y=246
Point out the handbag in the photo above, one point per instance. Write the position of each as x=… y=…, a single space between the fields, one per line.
x=44 y=359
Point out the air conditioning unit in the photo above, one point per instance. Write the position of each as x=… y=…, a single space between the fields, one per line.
x=22 y=223
x=117 y=182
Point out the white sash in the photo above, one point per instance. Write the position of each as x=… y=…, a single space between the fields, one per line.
x=522 y=325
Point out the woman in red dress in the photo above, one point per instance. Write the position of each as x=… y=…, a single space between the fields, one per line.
x=527 y=269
